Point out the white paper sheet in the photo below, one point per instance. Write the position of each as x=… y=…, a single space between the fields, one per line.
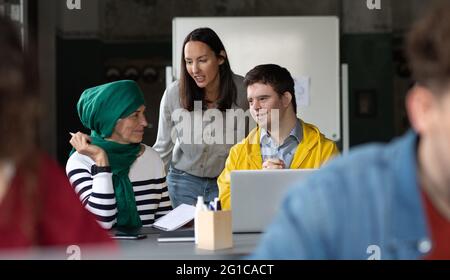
x=176 y=218
x=302 y=90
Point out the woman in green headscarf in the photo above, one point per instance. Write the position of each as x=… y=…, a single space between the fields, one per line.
x=119 y=179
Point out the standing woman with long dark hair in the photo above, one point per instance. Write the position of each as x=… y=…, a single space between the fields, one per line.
x=206 y=82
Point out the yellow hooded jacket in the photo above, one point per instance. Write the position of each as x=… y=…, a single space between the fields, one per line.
x=312 y=152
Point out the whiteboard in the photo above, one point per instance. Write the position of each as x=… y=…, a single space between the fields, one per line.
x=306 y=46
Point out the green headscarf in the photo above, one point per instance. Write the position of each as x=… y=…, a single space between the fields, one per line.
x=99 y=109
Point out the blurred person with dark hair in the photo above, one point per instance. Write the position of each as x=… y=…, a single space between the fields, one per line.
x=382 y=201
x=281 y=140
x=37 y=204
x=206 y=79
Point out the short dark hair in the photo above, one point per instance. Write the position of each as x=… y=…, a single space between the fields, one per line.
x=189 y=91
x=274 y=75
x=428 y=49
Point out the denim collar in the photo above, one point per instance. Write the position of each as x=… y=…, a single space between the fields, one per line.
x=409 y=226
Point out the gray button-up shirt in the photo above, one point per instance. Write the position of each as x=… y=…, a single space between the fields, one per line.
x=186 y=139
x=285 y=151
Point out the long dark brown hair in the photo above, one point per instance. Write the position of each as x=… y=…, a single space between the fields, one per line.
x=18 y=95
x=19 y=113
x=189 y=91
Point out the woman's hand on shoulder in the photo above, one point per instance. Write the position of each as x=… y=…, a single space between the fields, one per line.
x=82 y=143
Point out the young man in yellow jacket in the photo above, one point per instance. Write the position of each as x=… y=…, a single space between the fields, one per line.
x=280 y=140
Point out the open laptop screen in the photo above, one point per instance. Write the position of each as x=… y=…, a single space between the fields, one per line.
x=256 y=195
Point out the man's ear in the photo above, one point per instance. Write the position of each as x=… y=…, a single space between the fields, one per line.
x=420 y=103
x=222 y=57
x=286 y=99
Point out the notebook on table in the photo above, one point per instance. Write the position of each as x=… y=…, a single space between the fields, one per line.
x=176 y=218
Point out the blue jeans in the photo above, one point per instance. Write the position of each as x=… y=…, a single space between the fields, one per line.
x=184 y=187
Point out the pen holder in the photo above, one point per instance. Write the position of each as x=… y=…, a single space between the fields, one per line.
x=214 y=230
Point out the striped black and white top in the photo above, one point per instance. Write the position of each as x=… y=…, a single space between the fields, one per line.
x=147 y=175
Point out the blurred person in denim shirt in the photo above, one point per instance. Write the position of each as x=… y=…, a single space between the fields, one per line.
x=382 y=201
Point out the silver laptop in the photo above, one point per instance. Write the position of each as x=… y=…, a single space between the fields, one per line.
x=256 y=195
